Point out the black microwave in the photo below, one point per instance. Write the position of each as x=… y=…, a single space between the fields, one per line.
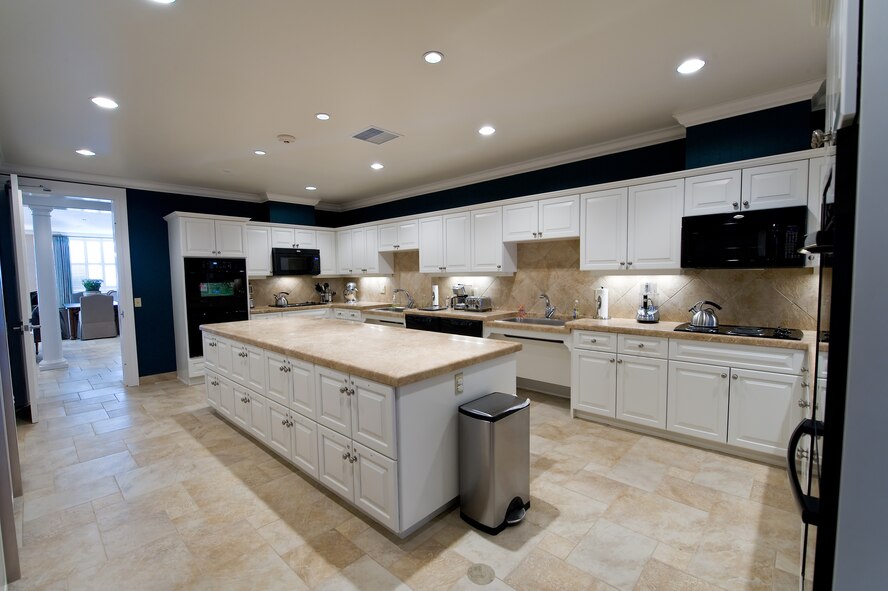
x=744 y=240
x=295 y=261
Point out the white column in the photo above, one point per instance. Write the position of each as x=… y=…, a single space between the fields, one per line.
x=47 y=296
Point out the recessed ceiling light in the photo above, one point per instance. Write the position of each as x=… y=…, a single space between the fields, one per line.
x=322 y=116
x=104 y=102
x=433 y=57
x=164 y=1
x=85 y=152
x=690 y=66
x=487 y=130
x=377 y=166
x=259 y=152
x=311 y=188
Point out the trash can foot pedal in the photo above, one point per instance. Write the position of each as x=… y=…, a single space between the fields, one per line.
x=516 y=511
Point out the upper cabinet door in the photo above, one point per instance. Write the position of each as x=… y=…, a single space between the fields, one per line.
x=559 y=217
x=487 y=239
x=344 y=251
x=388 y=237
x=258 y=251
x=457 y=239
x=230 y=239
x=326 y=244
x=304 y=238
x=654 y=240
x=776 y=185
x=408 y=235
x=283 y=238
x=603 y=236
x=520 y=221
x=198 y=237
x=431 y=245
x=369 y=250
x=712 y=193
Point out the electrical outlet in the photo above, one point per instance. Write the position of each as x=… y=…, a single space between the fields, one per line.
x=459 y=383
x=382 y=289
x=137 y=302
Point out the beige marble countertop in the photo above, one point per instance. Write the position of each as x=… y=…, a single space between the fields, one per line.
x=390 y=355
x=343 y=305
x=450 y=313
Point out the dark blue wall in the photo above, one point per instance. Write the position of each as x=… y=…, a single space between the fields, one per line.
x=287 y=213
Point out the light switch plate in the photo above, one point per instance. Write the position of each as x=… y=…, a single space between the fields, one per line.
x=137 y=302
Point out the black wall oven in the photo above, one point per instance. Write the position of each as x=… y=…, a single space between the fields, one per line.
x=215 y=291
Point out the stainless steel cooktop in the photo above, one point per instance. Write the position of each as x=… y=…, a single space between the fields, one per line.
x=762 y=332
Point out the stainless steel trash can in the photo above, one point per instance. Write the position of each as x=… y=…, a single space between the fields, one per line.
x=494 y=461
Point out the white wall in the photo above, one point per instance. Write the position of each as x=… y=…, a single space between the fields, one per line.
x=861 y=560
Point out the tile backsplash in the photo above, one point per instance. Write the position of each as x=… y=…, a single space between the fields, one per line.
x=763 y=297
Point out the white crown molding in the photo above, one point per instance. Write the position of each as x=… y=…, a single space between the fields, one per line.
x=52 y=174
x=750 y=104
x=610 y=147
x=289 y=199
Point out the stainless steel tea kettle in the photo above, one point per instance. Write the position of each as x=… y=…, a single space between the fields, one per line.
x=704 y=316
x=280 y=299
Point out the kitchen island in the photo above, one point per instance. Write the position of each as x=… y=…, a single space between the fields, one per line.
x=368 y=411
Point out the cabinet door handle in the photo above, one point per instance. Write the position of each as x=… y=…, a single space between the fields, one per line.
x=746 y=204
x=346 y=456
x=622 y=263
x=499 y=266
x=611 y=360
x=343 y=389
x=736 y=205
x=351 y=392
x=281 y=368
x=284 y=422
x=593 y=340
x=619 y=361
x=724 y=375
x=641 y=345
x=353 y=459
x=734 y=376
x=629 y=264
x=540 y=235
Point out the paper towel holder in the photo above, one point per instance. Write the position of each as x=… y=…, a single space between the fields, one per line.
x=599 y=304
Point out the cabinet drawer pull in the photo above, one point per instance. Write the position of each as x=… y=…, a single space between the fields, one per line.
x=593 y=340
x=734 y=376
x=641 y=345
x=724 y=375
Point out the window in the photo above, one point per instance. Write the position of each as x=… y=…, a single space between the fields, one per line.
x=92 y=258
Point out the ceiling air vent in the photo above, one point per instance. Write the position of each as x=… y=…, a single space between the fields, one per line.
x=374 y=135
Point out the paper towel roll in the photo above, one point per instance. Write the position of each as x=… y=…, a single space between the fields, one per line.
x=601 y=303
x=435 y=295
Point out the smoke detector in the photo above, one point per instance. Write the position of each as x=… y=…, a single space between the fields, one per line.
x=286 y=138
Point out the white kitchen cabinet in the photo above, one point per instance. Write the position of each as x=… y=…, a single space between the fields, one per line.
x=553 y=218
x=344 y=252
x=358 y=251
x=214 y=388
x=444 y=244
x=376 y=485
x=764 y=409
x=248 y=366
x=208 y=237
x=211 y=351
x=258 y=251
x=775 y=185
x=293 y=238
x=291 y=383
x=603 y=236
x=333 y=406
x=227 y=399
x=712 y=193
x=326 y=245
x=489 y=253
x=593 y=382
x=259 y=416
x=280 y=433
x=344 y=314
x=641 y=390
x=305 y=444
x=403 y=235
x=698 y=400
x=241 y=414
x=335 y=469
x=654 y=226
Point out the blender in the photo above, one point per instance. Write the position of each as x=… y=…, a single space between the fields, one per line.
x=648 y=311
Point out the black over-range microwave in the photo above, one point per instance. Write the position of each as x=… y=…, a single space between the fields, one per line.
x=744 y=240
x=295 y=261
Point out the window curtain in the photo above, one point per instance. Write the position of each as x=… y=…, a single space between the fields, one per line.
x=62 y=255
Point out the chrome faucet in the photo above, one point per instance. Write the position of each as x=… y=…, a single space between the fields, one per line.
x=410 y=302
x=550 y=309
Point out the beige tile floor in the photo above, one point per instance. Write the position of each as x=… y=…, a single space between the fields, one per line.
x=146 y=488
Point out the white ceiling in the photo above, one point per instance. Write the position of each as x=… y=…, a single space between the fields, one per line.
x=202 y=83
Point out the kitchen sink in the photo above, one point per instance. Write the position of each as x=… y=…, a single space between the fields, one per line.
x=540 y=321
x=389 y=309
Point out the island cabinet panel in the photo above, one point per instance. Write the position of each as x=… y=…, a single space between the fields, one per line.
x=259 y=417
x=373 y=416
x=302 y=387
x=276 y=378
x=280 y=433
x=335 y=468
x=226 y=398
x=241 y=416
x=214 y=389
x=333 y=401
x=376 y=485
x=305 y=444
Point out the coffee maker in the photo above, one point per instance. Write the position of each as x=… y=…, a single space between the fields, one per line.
x=460 y=293
x=648 y=312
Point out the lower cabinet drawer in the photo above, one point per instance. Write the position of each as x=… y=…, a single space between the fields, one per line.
x=595 y=341
x=776 y=359
x=643 y=346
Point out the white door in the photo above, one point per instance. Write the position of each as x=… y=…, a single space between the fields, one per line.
x=457 y=238
x=376 y=485
x=431 y=245
x=344 y=251
x=255 y=379
x=487 y=239
x=24 y=296
x=280 y=433
x=302 y=387
x=277 y=378
x=559 y=217
x=334 y=466
x=230 y=240
x=712 y=193
x=594 y=382
x=775 y=185
x=305 y=444
x=241 y=416
x=282 y=238
x=333 y=406
x=258 y=251
x=304 y=238
x=603 y=230
x=764 y=409
x=326 y=243
x=213 y=389
x=373 y=416
x=641 y=390
x=520 y=221
x=198 y=237
x=259 y=417
x=654 y=226
x=227 y=398
x=698 y=400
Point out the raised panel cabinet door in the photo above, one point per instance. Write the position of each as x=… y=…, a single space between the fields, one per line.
x=594 y=382
x=370 y=250
x=457 y=241
x=259 y=417
x=227 y=398
x=241 y=416
x=210 y=351
x=712 y=193
x=559 y=217
x=431 y=245
x=304 y=238
x=333 y=402
x=305 y=444
x=334 y=468
x=240 y=367
x=775 y=185
x=376 y=485
x=388 y=237
x=373 y=416
x=408 y=235
x=283 y=238
x=764 y=409
x=255 y=368
x=603 y=230
x=198 y=237
x=230 y=239
x=698 y=400
x=520 y=221
x=213 y=389
x=326 y=244
x=344 y=251
x=641 y=390
x=223 y=356
x=280 y=433
x=359 y=257
x=277 y=378
x=654 y=226
x=258 y=251
x=302 y=388
x=487 y=239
